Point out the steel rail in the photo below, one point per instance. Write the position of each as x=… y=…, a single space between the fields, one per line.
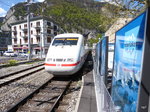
x=30 y=96
x=56 y=104
x=24 y=100
x=11 y=74
x=12 y=80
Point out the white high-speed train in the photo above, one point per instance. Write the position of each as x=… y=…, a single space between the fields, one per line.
x=66 y=54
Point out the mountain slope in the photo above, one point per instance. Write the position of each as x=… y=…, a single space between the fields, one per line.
x=72 y=15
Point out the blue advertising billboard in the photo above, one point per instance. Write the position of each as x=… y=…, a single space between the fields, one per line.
x=104 y=56
x=127 y=64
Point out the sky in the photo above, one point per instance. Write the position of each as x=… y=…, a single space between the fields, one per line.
x=5 y=5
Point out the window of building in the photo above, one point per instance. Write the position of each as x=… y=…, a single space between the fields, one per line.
x=48 y=31
x=25 y=33
x=20 y=26
x=38 y=40
x=48 y=23
x=15 y=41
x=55 y=33
x=26 y=40
x=37 y=23
x=15 y=33
x=20 y=42
x=31 y=24
x=15 y=28
x=55 y=28
x=48 y=39
x=25 y=25
x=31 y=40
x=38 y=31
x=31 y=32
x=20 y=33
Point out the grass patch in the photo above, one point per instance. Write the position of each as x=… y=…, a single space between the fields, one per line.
x=29 y=62
x=12 y=62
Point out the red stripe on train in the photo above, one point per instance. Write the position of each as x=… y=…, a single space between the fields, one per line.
x=46 y=64
x=71 y=64
x=74 y=64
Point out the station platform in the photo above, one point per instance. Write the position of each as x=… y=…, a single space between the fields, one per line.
x=87 y=102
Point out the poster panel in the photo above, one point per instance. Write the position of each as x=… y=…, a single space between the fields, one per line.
x=98 y=58
x=127 y=64
x=110 y=56
x=104 y=56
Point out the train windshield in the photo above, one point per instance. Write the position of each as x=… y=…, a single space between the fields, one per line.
x=65 y=41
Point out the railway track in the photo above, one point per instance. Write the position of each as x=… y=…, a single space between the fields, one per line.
x=45 y=98
x=38 y=92
x=11 y=77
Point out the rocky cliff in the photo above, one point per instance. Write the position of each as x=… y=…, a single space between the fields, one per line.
x=9 y=18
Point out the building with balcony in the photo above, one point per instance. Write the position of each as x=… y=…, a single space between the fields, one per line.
x=42 y=31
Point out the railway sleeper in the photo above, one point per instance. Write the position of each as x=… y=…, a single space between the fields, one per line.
x=33 y=109
x=58 y=83
x=35 y=105
x=51 y=91
x=46 y=95
x=55 y=87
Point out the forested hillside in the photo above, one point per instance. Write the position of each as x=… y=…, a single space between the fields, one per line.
x=80 y=16
x=70 y=15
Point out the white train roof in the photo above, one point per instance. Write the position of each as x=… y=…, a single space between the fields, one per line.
x=69 y=35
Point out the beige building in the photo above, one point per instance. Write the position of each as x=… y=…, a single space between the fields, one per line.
x=42 y=30
x=115 y=27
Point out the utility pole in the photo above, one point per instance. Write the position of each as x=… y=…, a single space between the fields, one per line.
x=41 y=46
x=42 y=39
x=28 y=22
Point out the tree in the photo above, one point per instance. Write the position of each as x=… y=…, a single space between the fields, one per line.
x=129 y=8
x=71 y=18
x=94 y=40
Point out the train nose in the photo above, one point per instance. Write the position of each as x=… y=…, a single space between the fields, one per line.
x=60 y=60
x=61 y=68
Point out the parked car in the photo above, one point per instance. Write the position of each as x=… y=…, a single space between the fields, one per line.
x=23 y=54
x=10 y=53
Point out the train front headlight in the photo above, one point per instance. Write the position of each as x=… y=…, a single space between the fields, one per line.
x=70 y=60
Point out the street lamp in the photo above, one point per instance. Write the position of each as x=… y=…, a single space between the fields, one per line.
x=41 y=45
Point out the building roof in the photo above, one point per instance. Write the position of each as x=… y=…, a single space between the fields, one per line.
x=34 y=19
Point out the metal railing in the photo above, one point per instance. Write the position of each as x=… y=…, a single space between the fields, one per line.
x=103 y=97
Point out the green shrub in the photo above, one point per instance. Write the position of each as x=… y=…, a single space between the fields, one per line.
x=12 y=62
